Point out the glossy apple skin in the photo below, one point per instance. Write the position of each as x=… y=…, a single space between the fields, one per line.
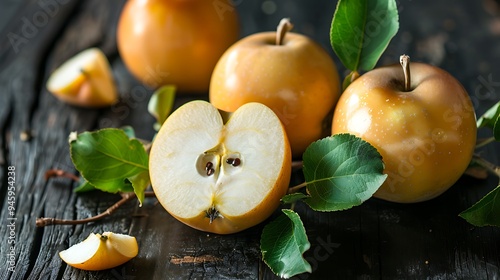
x=298 y=80
x=176 y=41
x=426 y=136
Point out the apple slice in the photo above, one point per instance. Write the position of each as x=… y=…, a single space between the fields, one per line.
x=84 y=80
x=217 y=177
x=99 y=252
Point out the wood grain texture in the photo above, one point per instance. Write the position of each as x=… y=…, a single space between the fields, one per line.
x=377 y=240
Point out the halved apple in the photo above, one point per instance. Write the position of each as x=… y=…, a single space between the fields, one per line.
x=99 y=252
x=84 y=80
x=216 y=177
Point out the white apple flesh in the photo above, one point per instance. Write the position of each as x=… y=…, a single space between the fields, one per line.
x=220 y=177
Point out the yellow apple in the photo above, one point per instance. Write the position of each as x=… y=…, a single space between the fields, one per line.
x=99 y=252
x=422 y=124
x=84 y=80
x=286 y=71
x=220 y=177
x=176 y=42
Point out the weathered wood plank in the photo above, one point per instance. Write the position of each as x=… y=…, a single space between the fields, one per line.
x=20 y=89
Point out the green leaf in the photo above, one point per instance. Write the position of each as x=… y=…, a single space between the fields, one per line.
x=129 y=131
x=496 y=129
x=491 y=119
x=341 y=171
x=140 y=182
x=486 y=211
x=283 y=242
x=294 y=197
x=361 y=31
x=107 y=158
x=161 y=103
x=84 y=187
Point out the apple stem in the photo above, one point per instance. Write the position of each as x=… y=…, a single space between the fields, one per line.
x=41 y=222
x=404 y=60
x=283 y=27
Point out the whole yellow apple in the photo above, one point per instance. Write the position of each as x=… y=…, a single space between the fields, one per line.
x=423 y=124
x=176 y=42
x=289 y=72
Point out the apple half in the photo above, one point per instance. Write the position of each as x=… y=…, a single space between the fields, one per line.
x=84 y=80
x=99 y=252
x=220 y=177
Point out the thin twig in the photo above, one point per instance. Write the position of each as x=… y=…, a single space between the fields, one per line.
x=491 y=167
x=485 y=141
x=60 y=173
x=297 y=164
x=296 y=188
x=41 y=222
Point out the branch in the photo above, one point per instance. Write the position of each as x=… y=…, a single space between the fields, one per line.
x=296 y=188
x=489 y=166
x=41 y=222
x=60 y=173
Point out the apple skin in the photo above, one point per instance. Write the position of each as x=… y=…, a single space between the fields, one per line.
x=426 y=136
x=176 y=41
x=98 y=253
x=298 y=80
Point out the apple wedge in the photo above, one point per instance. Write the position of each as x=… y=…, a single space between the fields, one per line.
x=216 y=177
x=84 y=80
x=99 y=252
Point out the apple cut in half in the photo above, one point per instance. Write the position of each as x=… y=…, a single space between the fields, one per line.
x=99 y=252
x=220 y=177
x=84 y=80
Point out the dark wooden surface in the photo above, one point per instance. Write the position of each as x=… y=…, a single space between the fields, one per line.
x=378 y=240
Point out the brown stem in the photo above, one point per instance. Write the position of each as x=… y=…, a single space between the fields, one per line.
x=41 y=222
x=297 y=164
x=283 y=27
x=487 y=165
x=404 y=60
x=296 y=188
x=60 y=173
x=484 y=141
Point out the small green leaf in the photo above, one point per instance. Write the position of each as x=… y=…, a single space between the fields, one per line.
x=294 y=197
x=341 y=171
x=107 y=158
x=283 y=242
x=496 y=129
x=486 y=211
x=84 y=187
x=361 y=31
x=490 y=117
x=140 y=182
x=129 y=131
x=161 y=103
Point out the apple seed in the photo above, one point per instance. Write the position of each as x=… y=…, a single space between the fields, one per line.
x=233 y=161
